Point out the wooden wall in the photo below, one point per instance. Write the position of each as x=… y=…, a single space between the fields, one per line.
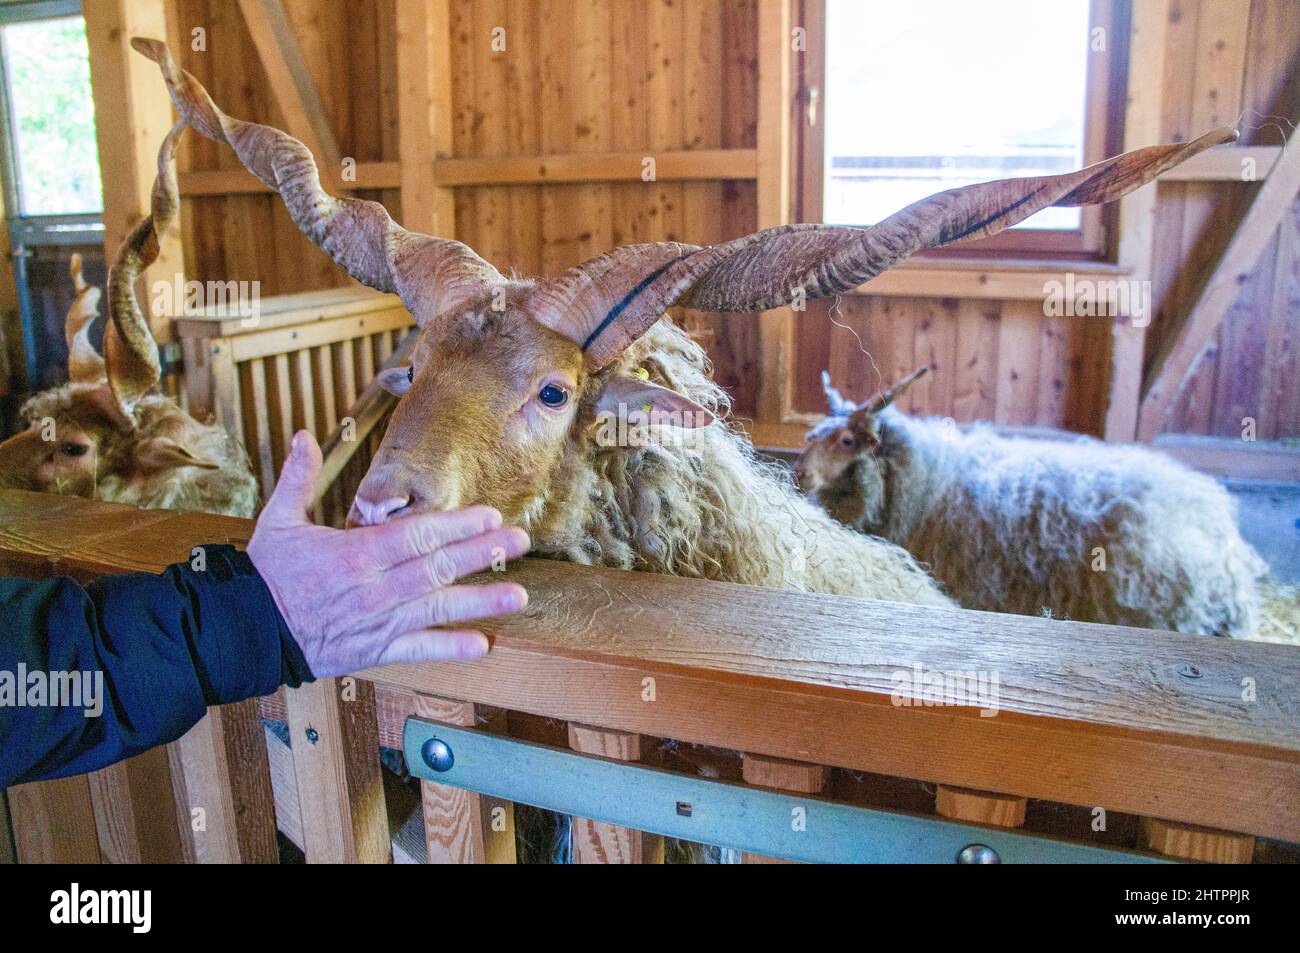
x=607 y=76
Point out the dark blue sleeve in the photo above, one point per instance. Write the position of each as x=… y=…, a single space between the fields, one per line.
x=91 y=675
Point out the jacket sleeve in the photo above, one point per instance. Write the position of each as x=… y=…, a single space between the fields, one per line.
x=91 y=675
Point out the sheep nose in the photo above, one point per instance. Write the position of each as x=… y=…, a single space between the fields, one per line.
x=370 y=513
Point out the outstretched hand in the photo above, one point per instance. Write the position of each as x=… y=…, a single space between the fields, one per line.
x=373 y=595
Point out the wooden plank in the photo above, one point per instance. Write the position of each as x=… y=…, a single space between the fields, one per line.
x=54 y=822
x=980 y=807
x=336 y=763
x=126 y=88
x=1196 y=843
x=781 y=774
x=279 y=311
x=1226 y=164
x=775 y=107
x=291 y=83
x=461 y=827
x=595 y=842
x=670 y=166
x=342 y=329
x=8 y=853
x=1137 y=210
x=1185 y=343
x=424 y=114
x=136 y=811
x=203 y=182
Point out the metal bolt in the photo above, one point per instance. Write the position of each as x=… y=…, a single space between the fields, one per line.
x=1189 y=671
x=978 y=854
x=313 y=735
x=684 y=808
x=437 y=754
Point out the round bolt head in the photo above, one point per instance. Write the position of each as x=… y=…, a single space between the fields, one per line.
x=313 y=735
x=437 y=754
x=978 y=854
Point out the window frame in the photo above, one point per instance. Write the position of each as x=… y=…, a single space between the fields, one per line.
x=1095 y=242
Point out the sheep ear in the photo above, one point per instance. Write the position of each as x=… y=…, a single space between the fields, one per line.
x=626 y=394
x=395 y=380
x=103 y=400
x=839 y=407
x=163 y=453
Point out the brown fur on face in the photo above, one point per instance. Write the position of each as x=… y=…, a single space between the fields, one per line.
x=79 y=443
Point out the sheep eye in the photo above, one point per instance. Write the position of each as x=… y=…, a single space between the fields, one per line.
x=73 y=450
x=410 y=374
x=552 y=395
x=848 y=442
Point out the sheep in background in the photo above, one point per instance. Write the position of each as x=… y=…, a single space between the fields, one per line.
x=1081 y=530
x=108 y=434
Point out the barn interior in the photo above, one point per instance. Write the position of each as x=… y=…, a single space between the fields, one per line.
x=543 y=133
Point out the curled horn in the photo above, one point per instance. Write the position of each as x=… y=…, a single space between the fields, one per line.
x=432 y=275
x=84 y=363
x=608 y=302
x=129 y=348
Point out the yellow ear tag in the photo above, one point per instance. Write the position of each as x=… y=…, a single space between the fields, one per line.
x=647 y=407
x=641 y=372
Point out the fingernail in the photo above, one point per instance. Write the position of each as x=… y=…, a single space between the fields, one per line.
x=295 y=445
x=474 y=646
x=492 y=519
x=518 y=599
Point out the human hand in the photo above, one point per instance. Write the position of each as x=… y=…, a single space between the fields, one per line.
x=371 y=596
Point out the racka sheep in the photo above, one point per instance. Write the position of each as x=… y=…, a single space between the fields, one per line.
x=107 y=433
x=1081 y=530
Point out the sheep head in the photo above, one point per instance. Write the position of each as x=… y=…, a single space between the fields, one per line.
x=106 y=433
x=508 y=376
x=843 y=451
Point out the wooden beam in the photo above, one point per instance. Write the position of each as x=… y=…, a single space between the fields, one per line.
x=136 y=114
x=54 y=822
x=776 y=104
x=1201 y=844
x=424 y=130
x=1188 y=339
x=1137 y=210
x=980 y=807
x=1227 y=164
x=669 y=166
x=291 y=83
x=370 y=175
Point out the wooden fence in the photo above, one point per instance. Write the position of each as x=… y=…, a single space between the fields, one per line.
x=1098 y=738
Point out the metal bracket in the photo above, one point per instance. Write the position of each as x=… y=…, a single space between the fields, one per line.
x=791 y=826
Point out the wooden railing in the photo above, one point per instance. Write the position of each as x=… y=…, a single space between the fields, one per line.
x=1171 y=743
x=303 y=364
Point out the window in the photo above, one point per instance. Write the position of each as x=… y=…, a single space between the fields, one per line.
x=929 y=95
x=52 y=116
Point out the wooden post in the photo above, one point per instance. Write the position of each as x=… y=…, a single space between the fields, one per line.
x=1196 y=843
x=775 y=144
x=424 y=114
x=137 y=811
x=335 y=743
x=1137 y=211
x=780 y=774
x=135 y=114
x=461 y=827
x=595 y=842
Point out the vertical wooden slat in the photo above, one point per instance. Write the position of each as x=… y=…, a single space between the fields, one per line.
x=595 y=842
x=136 y=811
x=980 y=807
x=461 y=827
x=782 y=775
x=260 y=411
x=1188 y=842
x=54 y=822
x=335 y=744
x=1137 y=210
x=306 y=389
x=424 y=113
x=8 y=854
